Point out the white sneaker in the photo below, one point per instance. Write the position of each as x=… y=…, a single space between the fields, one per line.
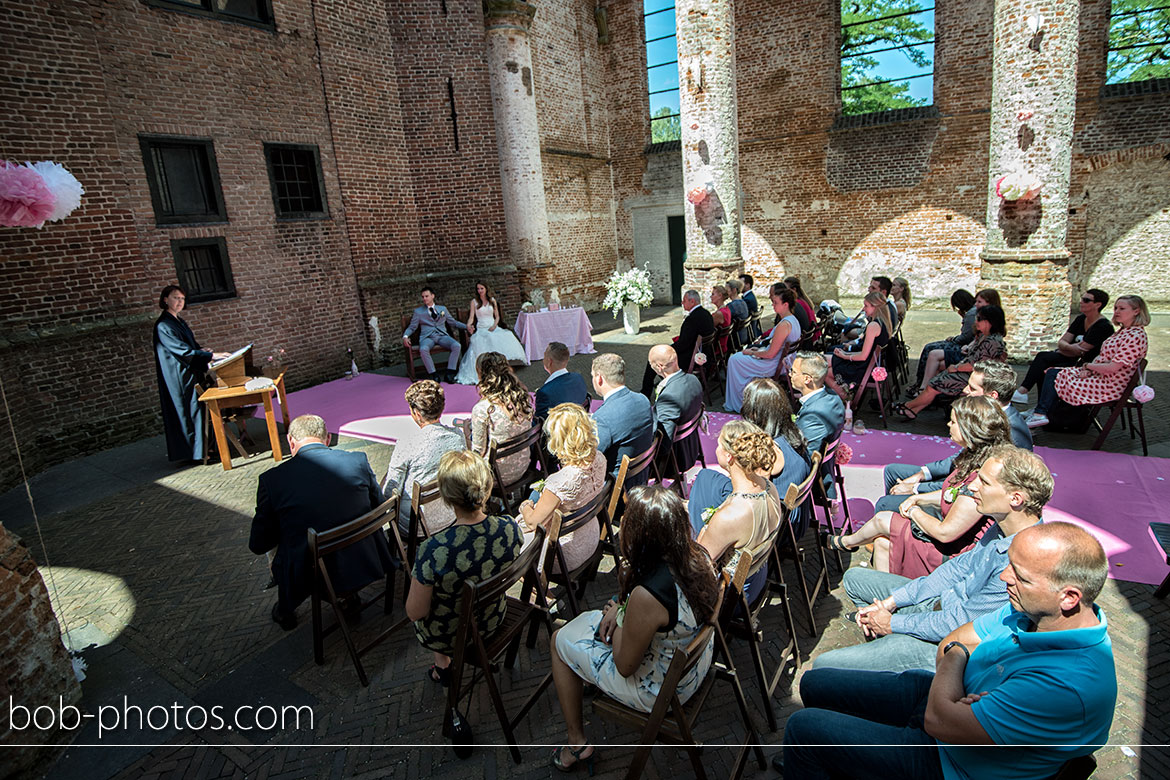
x=1019 y=397
x=1037 y=420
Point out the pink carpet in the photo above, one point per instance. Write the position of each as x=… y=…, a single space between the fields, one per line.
x=1114 y=496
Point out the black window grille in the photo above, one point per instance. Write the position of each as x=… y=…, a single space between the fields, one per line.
x=294 y=171
x=662 y=70
x=1139 y=41
x=203 y=268
x=256 y=12
x=887 y=55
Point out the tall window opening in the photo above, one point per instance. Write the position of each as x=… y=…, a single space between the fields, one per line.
x=887 y=55
x=662 y=70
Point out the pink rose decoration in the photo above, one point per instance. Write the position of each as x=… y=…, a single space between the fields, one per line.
x=25 y=199
x=697 y=195
x=879 y=374
x=844 y=454
x=700 y=358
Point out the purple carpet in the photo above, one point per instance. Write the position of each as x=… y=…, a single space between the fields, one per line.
x=1114 y=496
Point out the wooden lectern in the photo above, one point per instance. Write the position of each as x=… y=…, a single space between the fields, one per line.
x=235 y=369
x=231 y=375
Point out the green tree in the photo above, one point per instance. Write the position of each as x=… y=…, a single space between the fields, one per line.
x=859 y=70
x=664 y=127
x=1139 y=41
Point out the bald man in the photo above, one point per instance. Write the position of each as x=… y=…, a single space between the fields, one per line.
x=677 y=398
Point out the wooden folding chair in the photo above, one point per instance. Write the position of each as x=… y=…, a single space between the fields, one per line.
x=629 y=468
x=755 y=329
x=511 y=494
x=673 y=468
x=788 y=546
x=739 y=618
x=325 y=544
x=1160 y=533
x=830 y=468
x=707 y=347
x=1127 y=404
x=417 y=528
x=574 y=581
x=481 y=652
x=672 y=721
x=415 y=352
x=737 y=326
x=869 y=383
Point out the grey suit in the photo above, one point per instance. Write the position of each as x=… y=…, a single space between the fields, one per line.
x=432 y=332
x=625 y=426
x=680 y=399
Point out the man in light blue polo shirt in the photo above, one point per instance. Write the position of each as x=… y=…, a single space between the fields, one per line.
x=1036 y=678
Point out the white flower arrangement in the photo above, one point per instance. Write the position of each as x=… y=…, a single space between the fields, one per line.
x=632 y=286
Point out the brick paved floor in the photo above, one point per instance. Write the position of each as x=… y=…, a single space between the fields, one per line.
x=151 y=566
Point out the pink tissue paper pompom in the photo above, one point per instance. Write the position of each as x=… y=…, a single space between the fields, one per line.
x=25 y=199
x=879 y=374
x=697 y=195
x=66 y=189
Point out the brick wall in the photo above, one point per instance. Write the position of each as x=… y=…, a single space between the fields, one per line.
x=34 y=668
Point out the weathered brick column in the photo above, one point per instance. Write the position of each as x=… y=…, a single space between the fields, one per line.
x=1032 y=111
x=518 y=138
x=710 y=139
x=35 y=670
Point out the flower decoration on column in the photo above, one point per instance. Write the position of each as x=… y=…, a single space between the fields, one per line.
x=1018 y=186
x=35 y=193
x=700 y=194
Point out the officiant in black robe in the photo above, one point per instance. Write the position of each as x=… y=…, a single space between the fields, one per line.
x=180 y=364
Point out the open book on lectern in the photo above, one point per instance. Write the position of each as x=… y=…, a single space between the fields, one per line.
x=235 y=369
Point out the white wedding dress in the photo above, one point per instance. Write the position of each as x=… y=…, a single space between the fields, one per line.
x=484 y=340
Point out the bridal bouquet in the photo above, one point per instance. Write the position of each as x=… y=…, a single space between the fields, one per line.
x=632 y=286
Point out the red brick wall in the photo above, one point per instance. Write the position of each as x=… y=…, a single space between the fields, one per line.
x=34 y=668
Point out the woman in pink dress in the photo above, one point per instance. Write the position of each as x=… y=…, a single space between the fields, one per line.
x=931 y=526
x=722 y=314
x=1105 y=379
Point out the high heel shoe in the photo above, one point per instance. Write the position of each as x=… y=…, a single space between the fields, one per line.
x=578 y=762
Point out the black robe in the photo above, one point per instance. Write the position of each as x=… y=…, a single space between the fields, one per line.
x=180 y=364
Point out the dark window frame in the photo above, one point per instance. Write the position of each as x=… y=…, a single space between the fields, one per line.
x=894 y=114
x=207 y=10
x=294 y=216
x=649 y=67
x=194 y=293
x=148 y=143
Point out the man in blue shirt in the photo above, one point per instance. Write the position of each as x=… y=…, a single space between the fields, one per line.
x=907 y=618
x=1035 y=678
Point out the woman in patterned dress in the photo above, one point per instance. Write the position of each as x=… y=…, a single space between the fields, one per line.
x=503 y=412
x=668 y=593
x=1105 y=379
x=913 y=541
x=990 y=332
x=475 y=548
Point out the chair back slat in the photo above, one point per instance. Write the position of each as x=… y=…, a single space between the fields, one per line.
x=571 y=521
x=485 y=591
x=324 y=543
x=796 y=494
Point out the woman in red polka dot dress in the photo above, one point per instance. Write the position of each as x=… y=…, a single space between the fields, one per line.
x=1104 y=379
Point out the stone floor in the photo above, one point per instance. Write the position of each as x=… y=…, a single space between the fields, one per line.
x=152 y=574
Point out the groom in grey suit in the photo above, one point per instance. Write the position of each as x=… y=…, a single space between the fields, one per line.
x=431 y=321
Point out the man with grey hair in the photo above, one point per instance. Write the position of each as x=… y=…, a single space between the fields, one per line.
x=318 y=488
x=625 y=419
x=697 y=323
x=822 y=413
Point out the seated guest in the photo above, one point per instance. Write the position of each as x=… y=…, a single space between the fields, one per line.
x=1105 y=379
x=749 y=297
x=416 y=455
x=503 y=412
x=883 y=285
x=749 y=516
x=803 y=302
x=572 y=437
x=697 y=324
x=722 y=316
x=1080 y=343
x=849 y=367
x=625 y=419
x=1037 y=674
x=822 y=412
x=900 y=292
x=906 y=617
x=991 y=330
x=765 y=405
x=929 y=526
x=963 y=303
x=667 y=594
x=763 y=361
x=677 y=398
x=318 y=488
x=433 y=323
x=738 y=308
x=562 y=386
x=477 y=547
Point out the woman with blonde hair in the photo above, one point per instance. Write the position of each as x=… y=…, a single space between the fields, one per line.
x=900 y=291
x=572 y=437
x=749 y=517
x=930 y=527
x=848 y=368
x=503 y=412
x=477 y=547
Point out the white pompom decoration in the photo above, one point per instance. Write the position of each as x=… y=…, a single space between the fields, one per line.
x=66 y=189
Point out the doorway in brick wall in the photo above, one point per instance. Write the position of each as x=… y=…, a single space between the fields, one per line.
x=676 y=232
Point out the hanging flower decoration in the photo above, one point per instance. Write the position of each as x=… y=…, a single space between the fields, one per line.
x=697 y=195
x=844 y=454
x=1018 y=186
x=35 y=193
x=700 y=358
x=879 y=374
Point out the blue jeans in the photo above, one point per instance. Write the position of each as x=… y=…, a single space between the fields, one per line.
x=893 y=652
x=881 y=713
x=1047 y=396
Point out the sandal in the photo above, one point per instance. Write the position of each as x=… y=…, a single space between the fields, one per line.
x=904 y=412
x=835 y=544
x=578 y=759
x=439 y=674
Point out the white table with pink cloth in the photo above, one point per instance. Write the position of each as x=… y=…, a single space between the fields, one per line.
x=536 y=330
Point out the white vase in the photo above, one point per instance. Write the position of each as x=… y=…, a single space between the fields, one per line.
x=631 y=318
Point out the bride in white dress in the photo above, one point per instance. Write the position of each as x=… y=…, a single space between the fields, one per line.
x=487 y=335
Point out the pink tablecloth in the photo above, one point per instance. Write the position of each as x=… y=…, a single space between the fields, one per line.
x=568 y=326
